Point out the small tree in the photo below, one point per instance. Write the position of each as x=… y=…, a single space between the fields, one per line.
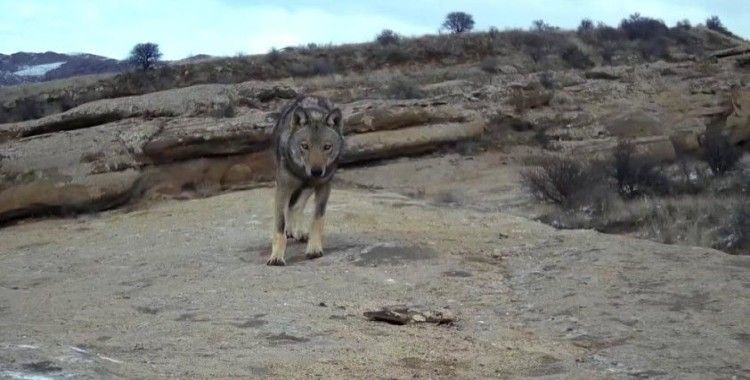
x=388 y=37
x=684 y=24
x=458 y=22
x=541 y=26
x=586 y=27
x=714 y=23
x=145 y=55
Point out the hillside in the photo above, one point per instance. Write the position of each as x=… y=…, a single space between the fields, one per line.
x=21 y=68
x=523 y=51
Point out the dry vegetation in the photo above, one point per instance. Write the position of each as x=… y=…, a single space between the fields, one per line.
x=542 y=47
x=695 y=202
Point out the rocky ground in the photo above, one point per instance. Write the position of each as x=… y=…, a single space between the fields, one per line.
x=179 y=288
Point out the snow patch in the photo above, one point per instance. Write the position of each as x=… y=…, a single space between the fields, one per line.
x=38 y=70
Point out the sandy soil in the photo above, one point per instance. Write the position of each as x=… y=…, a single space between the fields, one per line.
x=180 y=289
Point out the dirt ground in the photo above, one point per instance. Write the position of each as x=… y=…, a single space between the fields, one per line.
x=180 y=289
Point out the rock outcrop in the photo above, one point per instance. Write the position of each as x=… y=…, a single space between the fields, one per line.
x=105 y=153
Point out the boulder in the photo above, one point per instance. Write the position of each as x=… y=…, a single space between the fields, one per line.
x=659 y=148
x=738 y=121
x=45 y=196
x=633 y=123
x=185 y=138
x=378 y=115
x=407 y=141
x=211 y=100
x=191 y=101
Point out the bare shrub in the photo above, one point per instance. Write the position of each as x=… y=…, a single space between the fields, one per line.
x=388 y=37
x=719 y=152
x=541 y=26
x=606 y=33
x=736 y=232
x=393 y=55
x=585 y=28
x=637 y=27
x=28 y=108
x=683 y=24
x=562 y=180
x=654 y=48
x=323 y=66
x=489 y=65
x=402 y=87
x=608 y=52
x=715 y=24
x=274 y=56
x=576 y=58
x=547 y=80
x=637 y=175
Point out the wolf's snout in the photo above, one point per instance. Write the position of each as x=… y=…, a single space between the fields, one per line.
x=316 y=172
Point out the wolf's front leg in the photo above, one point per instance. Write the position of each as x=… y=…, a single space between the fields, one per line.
x=296 y=228
x=315 y=243
x=281 y=210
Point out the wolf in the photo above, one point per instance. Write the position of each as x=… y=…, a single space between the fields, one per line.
x=308 y=141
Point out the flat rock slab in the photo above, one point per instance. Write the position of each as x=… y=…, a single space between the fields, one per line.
x=181 y=289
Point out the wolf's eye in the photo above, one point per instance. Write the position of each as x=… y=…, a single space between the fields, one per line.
x=327 y=147
x=304 y=146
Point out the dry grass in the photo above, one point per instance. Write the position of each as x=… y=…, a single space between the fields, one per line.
x=528 y=50
x=675 y=204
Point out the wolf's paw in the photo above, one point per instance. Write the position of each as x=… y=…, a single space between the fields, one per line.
x=276 y=261
x=313 y=254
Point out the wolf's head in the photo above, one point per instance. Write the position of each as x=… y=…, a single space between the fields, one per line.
x=316 y=140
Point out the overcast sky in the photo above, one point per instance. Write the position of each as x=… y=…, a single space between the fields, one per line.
x=227 y=27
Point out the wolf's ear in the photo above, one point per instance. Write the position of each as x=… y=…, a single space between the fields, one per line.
x=335 y=120
x=300 y=117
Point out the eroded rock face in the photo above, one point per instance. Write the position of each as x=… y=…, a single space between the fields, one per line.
x=209 y=138
x=738 y=121
x=191 y=101
x=61 y=165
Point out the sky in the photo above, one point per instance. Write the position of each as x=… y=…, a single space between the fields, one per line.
x=230 y=27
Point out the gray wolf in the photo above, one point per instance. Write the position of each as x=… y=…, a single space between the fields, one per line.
x=307 y=144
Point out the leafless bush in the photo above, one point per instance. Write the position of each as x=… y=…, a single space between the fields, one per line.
x=715 y=24
x=737 y=230
x=541 y=26
x=402 y=87
x=637 y=175
x=489 y=65
x=585 y=28
x=654 y=48
x=637 y=27
x=273 y=56
x=547 y=80
x=719 y=152
x=562 y=180
x=388 y=37
x=576 y=58
x=393 y=55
